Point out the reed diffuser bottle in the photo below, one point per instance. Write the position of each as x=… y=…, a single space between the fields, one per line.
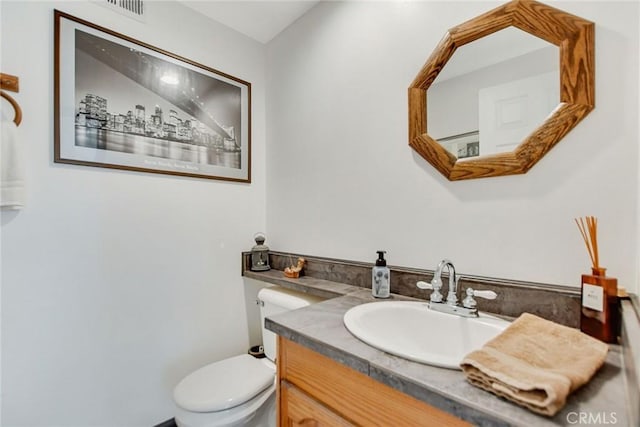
x=599 y=311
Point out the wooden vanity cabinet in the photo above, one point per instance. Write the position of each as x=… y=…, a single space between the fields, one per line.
x=315 y=391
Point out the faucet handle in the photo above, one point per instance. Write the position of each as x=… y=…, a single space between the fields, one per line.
x=424 y=285
x=435 y=284
x=470 y=302
x=485 y=294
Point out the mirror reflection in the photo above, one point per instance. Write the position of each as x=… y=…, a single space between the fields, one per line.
x=493 y=93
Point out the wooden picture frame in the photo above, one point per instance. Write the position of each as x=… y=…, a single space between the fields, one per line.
x=124 y=104
x=575 y=38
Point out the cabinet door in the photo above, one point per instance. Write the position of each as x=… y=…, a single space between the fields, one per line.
x=356 y=397
x=299 y=409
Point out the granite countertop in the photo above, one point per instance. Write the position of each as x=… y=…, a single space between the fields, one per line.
x=320 y=328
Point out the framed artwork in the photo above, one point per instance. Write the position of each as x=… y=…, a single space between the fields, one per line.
x=124 y=104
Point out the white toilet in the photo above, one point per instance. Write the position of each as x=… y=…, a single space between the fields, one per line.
x=240 y=390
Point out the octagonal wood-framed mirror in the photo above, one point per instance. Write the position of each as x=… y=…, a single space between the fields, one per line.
x=575 y=38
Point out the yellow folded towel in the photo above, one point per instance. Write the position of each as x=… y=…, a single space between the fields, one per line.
x=535 y=363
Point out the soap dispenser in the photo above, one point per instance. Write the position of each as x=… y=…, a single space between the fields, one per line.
x=380 y=277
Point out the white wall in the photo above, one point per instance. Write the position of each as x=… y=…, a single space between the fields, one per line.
x=116 y=284
x=342 y=181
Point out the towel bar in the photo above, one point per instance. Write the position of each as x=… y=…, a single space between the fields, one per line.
x=11 y=83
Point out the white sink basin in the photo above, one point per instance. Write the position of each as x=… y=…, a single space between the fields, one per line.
x=411 y=330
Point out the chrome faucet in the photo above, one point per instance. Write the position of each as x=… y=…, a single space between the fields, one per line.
x=452 y=297
x=469 y=305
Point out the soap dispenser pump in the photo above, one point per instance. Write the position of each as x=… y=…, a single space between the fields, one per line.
x=380 y=277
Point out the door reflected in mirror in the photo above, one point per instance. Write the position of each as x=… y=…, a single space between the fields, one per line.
x=493 y=93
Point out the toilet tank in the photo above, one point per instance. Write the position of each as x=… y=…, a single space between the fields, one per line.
x=274 y=300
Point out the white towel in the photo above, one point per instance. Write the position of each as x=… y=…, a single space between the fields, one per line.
x=12 y=168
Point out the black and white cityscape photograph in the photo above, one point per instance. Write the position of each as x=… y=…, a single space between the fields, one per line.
x=154 y=112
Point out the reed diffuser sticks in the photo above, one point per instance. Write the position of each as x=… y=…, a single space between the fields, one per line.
x=600 y=307
x=589 y=229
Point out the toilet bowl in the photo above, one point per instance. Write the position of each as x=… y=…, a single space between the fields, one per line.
x=240 y=390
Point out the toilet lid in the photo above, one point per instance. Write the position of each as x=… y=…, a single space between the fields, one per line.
x=223 y=385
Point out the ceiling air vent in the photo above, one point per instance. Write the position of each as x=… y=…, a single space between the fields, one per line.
x=132 y=8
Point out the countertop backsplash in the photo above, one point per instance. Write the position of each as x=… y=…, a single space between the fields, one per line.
x=560 y=304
